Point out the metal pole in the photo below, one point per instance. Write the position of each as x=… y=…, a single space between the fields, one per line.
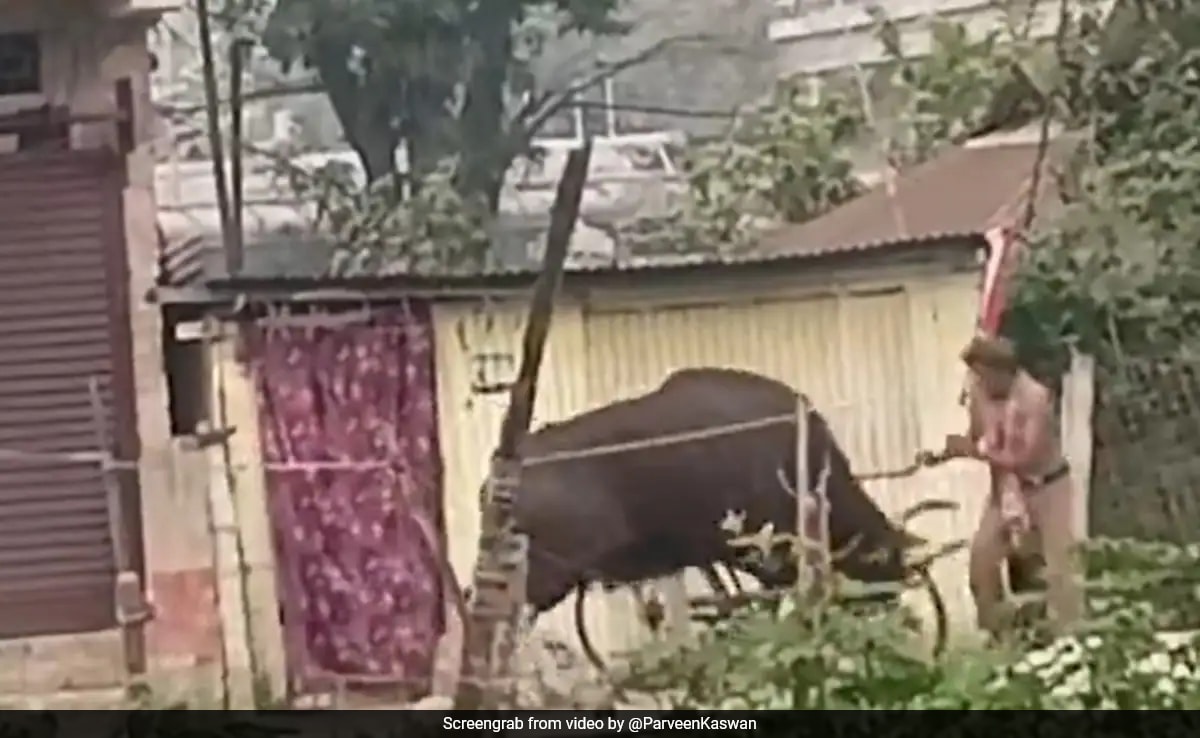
x=577 y=113
x=610 y=112
x=212 y=106
x=236 y=252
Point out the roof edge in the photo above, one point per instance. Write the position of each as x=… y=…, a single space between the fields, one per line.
x=450 y=287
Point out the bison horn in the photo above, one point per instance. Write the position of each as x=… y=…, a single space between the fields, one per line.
x=942 y=552
x=912 y=540
x=925 y=506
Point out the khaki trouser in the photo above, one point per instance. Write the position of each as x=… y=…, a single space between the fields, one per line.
x=1050 y=515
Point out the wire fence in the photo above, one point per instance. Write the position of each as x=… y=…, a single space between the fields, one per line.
x=1146 y=430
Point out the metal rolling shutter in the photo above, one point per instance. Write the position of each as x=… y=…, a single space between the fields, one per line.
x=57 y=329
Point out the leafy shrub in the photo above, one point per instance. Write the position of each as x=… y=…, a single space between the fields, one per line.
x=783 y=655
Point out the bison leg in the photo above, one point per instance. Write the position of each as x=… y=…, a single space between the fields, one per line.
x=720 y=590
x=731 y=575
x=715 y=583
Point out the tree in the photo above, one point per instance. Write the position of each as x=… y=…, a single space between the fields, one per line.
x=966 y=86
x=179 y=95
x=1120 y=270
x=789 y=160
x=797 y=155
x=439 y=75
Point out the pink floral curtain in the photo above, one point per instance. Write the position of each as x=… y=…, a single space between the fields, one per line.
x=349 y=433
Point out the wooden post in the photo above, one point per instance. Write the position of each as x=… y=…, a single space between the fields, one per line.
x=823 y=550
x=501 y=554
x=132 y=610
x=804 y=570
x=509 y=635
x=1078 y=401
x=235 y=408
x=812 y=514
x=228 y=552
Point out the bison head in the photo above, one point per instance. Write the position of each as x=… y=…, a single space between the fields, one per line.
x=882 y=556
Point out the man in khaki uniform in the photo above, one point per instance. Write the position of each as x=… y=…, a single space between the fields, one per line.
x=1029 y=506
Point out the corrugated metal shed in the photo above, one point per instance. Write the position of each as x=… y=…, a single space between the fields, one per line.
x=878 y=358
x=63 y=319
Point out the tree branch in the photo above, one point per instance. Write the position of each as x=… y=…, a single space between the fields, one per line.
x=1035 y=180
x=537 y=111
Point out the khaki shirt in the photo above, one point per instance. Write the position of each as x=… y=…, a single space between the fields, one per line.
x=990 y=418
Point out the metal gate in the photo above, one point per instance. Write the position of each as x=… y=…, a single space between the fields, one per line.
x=64 y=319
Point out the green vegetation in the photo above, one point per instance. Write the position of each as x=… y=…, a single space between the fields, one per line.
x=826 y=657
x=1117 y=270
x=445 y=77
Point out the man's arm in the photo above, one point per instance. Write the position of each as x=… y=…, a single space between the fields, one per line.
x=958 y=446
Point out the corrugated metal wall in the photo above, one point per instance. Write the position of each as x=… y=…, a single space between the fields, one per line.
x=881 y=365
x=943 y=319
x=63 y=321
x=472 y=343
x=847 y=353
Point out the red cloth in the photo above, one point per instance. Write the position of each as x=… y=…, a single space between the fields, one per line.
x=360 y=580
x=997 y=277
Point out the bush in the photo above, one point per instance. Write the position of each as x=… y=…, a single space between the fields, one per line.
x=833 y=657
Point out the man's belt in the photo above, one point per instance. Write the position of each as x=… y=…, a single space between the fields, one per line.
x=1033 y=483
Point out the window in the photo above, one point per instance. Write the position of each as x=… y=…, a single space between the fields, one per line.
x=20 y=63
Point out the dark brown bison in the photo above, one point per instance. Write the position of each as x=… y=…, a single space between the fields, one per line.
x=624 y=517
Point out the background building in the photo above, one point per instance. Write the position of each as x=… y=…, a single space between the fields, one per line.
x=819 y=36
